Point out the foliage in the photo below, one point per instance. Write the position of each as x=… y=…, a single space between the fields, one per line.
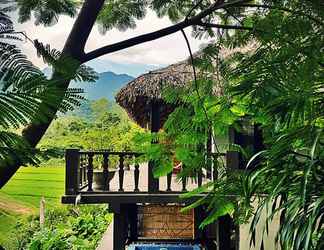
x=65 y=228
x=24 y=89
x=282 y=89
x=45 y=12
x=121 y=14
x=271 y=75
x=277 y=83
x=105 y=126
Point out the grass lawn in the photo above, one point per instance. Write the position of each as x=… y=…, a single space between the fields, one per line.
x=21 y=196
x=29 y=184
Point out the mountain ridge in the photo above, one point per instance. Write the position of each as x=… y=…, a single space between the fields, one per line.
x=106 y=86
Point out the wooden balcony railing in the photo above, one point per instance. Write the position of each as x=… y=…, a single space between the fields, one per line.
x=117 y=174
x=81 y=169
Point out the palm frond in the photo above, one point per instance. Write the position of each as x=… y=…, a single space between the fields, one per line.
x=26 y=95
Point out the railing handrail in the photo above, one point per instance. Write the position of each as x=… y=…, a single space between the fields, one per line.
x=109 y=152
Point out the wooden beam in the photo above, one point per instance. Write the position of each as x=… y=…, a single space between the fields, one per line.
x=128 y=198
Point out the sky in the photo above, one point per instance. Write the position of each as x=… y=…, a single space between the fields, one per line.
x=133 y=61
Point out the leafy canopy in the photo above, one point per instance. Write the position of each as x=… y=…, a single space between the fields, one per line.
x=270 y=75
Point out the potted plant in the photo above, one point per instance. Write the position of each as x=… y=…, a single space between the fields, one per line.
x=99 y=182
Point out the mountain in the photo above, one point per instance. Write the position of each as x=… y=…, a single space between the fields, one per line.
x=133 y=69
x=107 y=85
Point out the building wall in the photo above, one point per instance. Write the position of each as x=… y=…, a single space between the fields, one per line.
x=269 y=240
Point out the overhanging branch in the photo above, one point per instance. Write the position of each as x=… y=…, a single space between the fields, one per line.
x=195 y=20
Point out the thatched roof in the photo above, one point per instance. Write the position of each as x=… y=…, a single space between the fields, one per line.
x=137 y=95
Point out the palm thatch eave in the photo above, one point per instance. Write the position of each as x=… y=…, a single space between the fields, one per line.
x=137 y=96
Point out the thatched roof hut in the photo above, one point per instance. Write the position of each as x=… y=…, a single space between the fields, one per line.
x=137 y=96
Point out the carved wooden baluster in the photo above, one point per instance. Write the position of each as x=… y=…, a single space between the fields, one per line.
x=184 y=184
x=81 y=171
x=136 y=177
x=169 y=180
x=184 y=180
x=121 y=173
x=199 y=178
x=105 y=171
x=84 y=171
x=90 y=171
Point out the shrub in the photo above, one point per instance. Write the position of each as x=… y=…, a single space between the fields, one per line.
x=77 y=228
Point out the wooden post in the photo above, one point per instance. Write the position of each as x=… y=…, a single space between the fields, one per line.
x=90 y=171
x=120 y=228
x=72 y=161
x=132 y=221
x=225 y=232
x=42 y=212
x=105 y=166
x=257 y=139
x=153 y=183
x=199 y=213
x=232 y=160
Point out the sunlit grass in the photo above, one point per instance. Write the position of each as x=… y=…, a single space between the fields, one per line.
x=30 y=184
x=25 y=190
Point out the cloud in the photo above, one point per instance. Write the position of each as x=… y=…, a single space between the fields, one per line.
x=163 y=51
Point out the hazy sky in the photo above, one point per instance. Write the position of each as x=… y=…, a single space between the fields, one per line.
x=134 y=60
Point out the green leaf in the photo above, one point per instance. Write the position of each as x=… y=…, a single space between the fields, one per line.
x=225 y=209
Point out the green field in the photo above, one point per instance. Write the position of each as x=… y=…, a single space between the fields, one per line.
x=29 y=184
x=21 y=196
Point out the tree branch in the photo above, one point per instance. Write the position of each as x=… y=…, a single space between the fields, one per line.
x=222 y=26
x=160 y=33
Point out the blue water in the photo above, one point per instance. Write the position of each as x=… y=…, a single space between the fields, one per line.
x=162 y=247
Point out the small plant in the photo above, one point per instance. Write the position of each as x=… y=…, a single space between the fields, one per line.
x=65 y=228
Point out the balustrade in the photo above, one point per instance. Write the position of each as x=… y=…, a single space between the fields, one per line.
x=83 y=166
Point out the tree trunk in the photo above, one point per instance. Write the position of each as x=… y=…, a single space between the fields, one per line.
x=74 y=48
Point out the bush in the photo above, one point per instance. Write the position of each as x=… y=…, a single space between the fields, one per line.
x=77 y=228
